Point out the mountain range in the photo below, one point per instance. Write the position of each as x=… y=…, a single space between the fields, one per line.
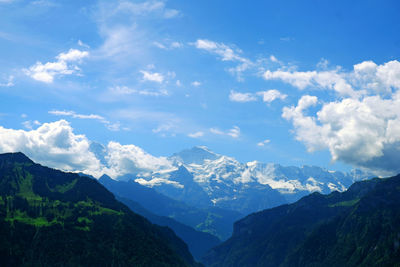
x=49 y=217
x=202 y=178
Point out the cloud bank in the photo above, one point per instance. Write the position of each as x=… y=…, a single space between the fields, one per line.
x=56 y=145
x=361 y=128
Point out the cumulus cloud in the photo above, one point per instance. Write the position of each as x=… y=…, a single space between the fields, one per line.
x=363 y=132
x=377 y=78
x=267 y=96
x=361 y=126
x=234 y=132
x=66 y=64
x=52 y=144
x=130 y=159
x=56 y=145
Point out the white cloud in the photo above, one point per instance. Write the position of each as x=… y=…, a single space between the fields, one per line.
x=267 y=96
x=196 y=83
x=234 y=132
x=263 y=143
x=56 y=145
x=196 y=134
x=360 y=127
x=363 y=132
x=158 y=181
x=124 y=159
x=241 y=97
x=73 y=114
x=226 y=53
x=271 y=95
x=153 y=77
x=66 y=64
x=52 y=144
x=331 y=80
x=365 y=78
x=73 y=55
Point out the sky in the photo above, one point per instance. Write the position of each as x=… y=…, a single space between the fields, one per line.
x=291 y=82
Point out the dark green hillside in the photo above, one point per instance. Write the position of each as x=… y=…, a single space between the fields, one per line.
x=360 y=227
x=368 y=234
x=52 y=218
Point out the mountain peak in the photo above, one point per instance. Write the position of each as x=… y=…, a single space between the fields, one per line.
x=15 y=157
x=105 y=178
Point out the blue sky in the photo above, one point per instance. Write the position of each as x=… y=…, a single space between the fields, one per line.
x=291 y=82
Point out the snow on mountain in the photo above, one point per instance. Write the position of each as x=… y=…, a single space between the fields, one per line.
x=245 y=187
x=202 y=178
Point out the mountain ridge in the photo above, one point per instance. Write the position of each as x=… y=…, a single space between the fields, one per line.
x=358 y=227
x=232 y=185
x=49 y=217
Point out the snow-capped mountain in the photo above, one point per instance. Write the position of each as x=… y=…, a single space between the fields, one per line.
x=204 y=178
